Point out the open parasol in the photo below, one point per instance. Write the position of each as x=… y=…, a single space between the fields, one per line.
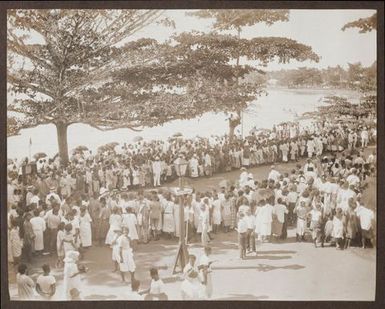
x=81 y=148
x=39 y=155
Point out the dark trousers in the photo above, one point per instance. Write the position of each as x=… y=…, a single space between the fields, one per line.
x=27 y=252
x=284 y=229
x=52 y=234
x=251 y=240
x=242 y=238
x=291 y=217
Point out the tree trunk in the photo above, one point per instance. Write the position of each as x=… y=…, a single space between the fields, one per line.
x=233 y=123
x=61 y=129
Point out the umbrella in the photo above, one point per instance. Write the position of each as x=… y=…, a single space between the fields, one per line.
x=81 y=148
x=112 y=144
x=39 y=155
x=137 y=139
x=102 y=148
x=109 y=146
x=177 y=134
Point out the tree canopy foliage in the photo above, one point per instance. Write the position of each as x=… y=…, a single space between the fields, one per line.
x=363 y=24
x=85 y=69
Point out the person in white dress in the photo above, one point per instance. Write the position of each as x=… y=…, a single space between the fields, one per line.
x=258 y=221
x=343 y=196
x=157 y=171
x=115 y=248
x=177 y=202
x=38 y=227
x=71 y=273
x=266 y=218
x=310 y=145
x=204 y=267
x=85 y=232
x=204 y=224
x=168 y=217
x=129 y=221
x=115 y=224
x=126 y=257
x=191 y=288
x=338 y=228
x=194 y=166
x=244 y=177
x=217 y=215
x=126 y=178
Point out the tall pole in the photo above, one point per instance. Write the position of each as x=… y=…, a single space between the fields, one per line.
x=182 y=250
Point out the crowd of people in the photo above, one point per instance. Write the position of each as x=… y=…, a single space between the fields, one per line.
x=114 y=199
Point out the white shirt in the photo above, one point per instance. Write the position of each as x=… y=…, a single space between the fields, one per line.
x=157 y=287
x=242 y=226
x=280 y=210
x=315 y=215
x=45 y=283
x=250 y=220
x=366 y=216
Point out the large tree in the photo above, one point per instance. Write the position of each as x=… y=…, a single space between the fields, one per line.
x=56 y=56
x=263 y=49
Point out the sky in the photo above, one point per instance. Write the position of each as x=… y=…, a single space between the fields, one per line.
x=320 y=29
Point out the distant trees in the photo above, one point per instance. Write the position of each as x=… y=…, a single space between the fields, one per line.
x=331 y=77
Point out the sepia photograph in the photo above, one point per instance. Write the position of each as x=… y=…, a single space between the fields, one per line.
x=191 y=154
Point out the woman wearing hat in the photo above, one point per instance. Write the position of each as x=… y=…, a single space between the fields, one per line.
x=115 y=222
x=194 y=166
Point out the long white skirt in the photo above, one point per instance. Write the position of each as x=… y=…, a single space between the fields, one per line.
x=301 y=224
x=86 y=235
x=128 y=263
x=111 y=234
x=217 y=218
x=168 y=223
x=265 y=229
x=39 y=240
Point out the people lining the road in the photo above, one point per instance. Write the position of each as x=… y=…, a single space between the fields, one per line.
x=102 y=200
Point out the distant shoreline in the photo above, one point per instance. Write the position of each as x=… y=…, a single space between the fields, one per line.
x=311 y=89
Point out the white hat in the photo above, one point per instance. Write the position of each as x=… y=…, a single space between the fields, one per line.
x=103 y=191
